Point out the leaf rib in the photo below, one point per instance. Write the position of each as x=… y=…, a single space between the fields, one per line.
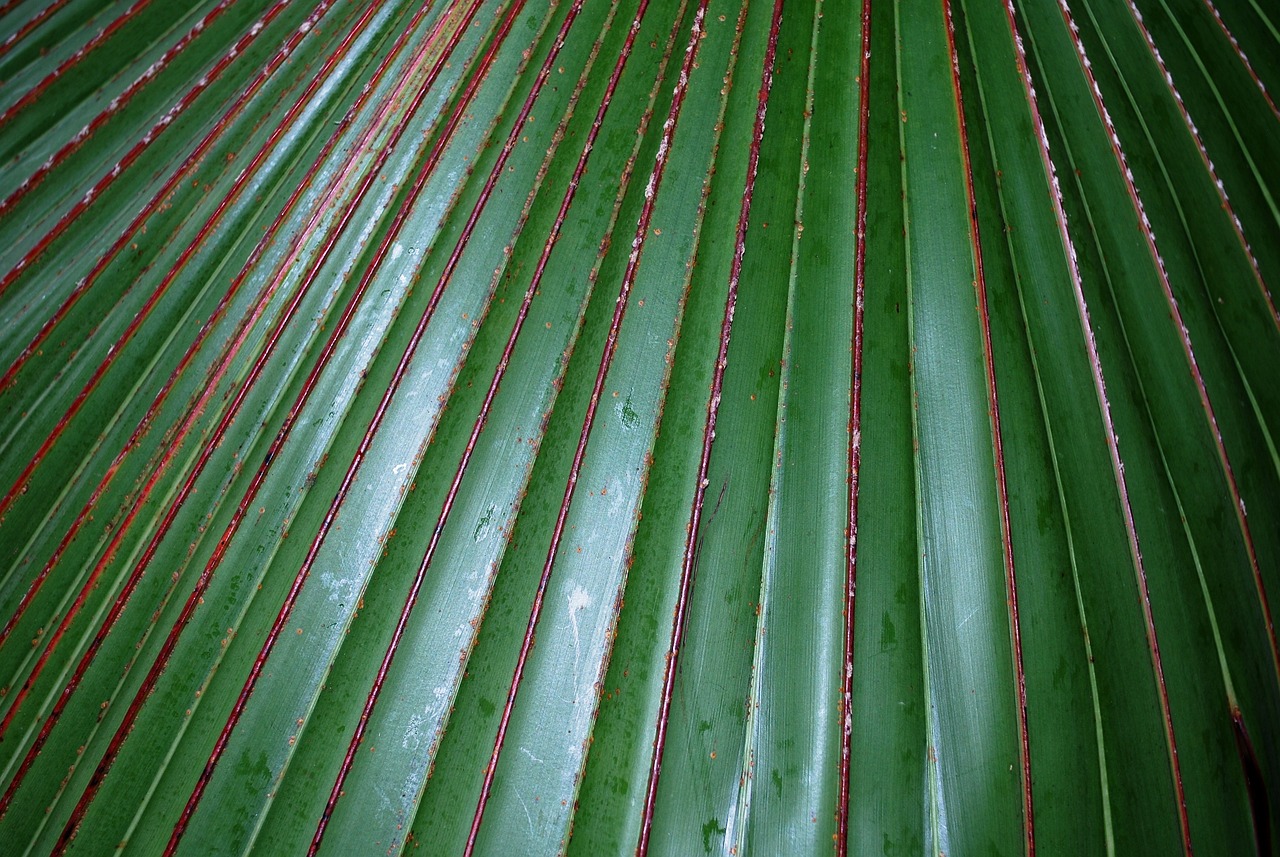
x=1244 y=60
x=499 y=373
x=31 y=25
x=855 y=431
x=1118 y=466
x=624 y=293
x=1002 y=490
x=145 y=423
x=188 y=486
x=285 y=609
x=130 y=157
x=708 y=437
x=1237 y=502
x=104 y=35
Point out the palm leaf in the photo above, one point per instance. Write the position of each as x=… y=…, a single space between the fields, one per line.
x=654 y=426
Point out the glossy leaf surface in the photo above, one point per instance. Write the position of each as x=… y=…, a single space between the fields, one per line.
x=639 y=426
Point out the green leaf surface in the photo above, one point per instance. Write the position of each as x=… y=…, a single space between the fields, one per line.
x=645 y=426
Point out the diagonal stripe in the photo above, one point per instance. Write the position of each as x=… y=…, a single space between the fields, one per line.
x=692 y=540
x=624 y=293
x=855 y=433
x=336 y=791
x=1002 y=490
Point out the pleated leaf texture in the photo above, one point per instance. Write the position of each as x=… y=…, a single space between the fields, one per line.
x=639 y=426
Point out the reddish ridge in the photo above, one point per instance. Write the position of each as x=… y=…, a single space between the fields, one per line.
x=336 y=792
x=70 y=62
x=26 y=29
x=1255 y=783
x=692 y=540
x=229 y=416
x=206 y=576
x=1024 y=746
x=633 y=265
x=207 y=328
x=166 y=120
x=1208 y=164
x=109 y=554
x=1244 y=60
x=189 y=485
x=123 y=240
x=260 y=476
x=1144 y=592
x=30 y=182
x=401 y=369
x=9 y=5
x=855 y=434
x=1237 y=501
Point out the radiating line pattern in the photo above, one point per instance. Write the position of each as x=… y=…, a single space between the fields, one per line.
x=639 y=427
